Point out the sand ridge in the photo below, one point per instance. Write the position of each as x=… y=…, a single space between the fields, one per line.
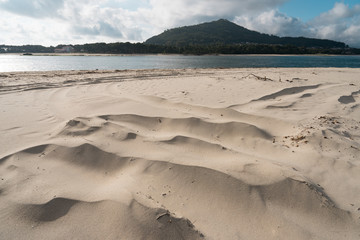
x=180 y=154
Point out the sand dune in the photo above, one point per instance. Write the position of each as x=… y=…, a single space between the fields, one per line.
x=180 y=154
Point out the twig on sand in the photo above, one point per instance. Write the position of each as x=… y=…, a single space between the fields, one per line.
x=258 y=77
x=162 y=215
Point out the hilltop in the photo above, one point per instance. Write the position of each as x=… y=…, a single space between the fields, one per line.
x=229 y=33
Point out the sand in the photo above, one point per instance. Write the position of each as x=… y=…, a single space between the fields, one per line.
x=180 y=154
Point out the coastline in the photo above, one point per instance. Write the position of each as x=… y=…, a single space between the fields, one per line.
x=169 y=54
x=265 y=153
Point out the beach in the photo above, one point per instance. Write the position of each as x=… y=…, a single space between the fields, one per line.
x=242 y=153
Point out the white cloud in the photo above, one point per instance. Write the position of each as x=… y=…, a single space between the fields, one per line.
x=35 y=8
x=340 y=23
x=180 y=12
x=339 y=12
x=274 y=22
x=74 y=22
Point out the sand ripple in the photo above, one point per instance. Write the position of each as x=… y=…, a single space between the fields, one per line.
x=130 y=157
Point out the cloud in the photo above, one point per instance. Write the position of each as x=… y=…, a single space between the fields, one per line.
x=32 y=31
x=275 y=23
x=180 y=12
x=35 y=8
x=339 y=12
x=341 y=23
x=100 y=28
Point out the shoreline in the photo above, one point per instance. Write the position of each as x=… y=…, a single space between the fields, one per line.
x=29 y=80
x=161 y=54
x=60 y=78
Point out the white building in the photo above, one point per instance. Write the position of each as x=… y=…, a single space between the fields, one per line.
x=65 y=49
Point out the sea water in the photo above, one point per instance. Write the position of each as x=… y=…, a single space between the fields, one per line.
x=14 y=63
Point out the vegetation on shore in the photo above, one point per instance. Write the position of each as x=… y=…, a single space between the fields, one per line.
x=142 y=48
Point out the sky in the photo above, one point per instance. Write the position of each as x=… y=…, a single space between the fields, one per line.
x=53 y=22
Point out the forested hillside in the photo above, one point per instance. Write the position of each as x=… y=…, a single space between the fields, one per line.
x=226 y=32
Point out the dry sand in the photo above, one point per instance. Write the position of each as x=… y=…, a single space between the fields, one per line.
x=180 y=154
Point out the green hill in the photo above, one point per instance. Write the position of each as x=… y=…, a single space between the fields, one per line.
x=226 y=32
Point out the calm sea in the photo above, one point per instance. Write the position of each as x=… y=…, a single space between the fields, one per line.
x=12 y=63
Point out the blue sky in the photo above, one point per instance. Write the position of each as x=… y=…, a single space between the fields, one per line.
x=53 y=22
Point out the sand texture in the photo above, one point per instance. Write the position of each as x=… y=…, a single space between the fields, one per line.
x=180 y=154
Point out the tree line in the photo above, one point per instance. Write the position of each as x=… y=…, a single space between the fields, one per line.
x=192 y=49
